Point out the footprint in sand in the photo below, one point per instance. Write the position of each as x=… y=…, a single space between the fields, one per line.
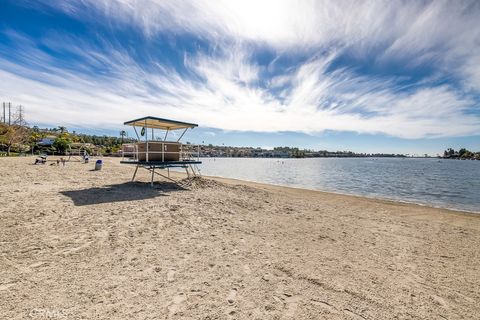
x=324 y=304
x=232 y=296
x=171 y=275
x=439 y=301
x=175 y=304
x=6 y=286
x=74 y=250
x=247 y=269
x=292 y=305
x=354 y=315
x=35 y=266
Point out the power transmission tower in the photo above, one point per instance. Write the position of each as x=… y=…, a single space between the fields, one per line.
x=18 y=116
x=20 y=119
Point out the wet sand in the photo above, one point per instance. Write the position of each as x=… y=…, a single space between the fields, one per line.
x=82 y=244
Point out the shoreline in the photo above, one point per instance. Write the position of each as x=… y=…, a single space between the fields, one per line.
x=375 y=198
x=432 y=187
x=360 y=196
x=299 y=188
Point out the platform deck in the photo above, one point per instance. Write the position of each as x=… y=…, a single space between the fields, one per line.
x=160 y=164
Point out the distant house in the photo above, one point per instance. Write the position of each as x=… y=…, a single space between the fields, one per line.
x=47 y=141
x=280 y=154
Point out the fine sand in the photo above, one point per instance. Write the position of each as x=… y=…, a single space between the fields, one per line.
x=82 y=244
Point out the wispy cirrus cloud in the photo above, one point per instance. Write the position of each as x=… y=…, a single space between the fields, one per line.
x=406 y=69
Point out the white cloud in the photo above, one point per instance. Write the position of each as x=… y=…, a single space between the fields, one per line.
x=306 y=97
x=414 y=32
x=293 y=22
x=228 y=98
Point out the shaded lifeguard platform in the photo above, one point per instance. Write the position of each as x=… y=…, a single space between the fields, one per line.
x=153 y=153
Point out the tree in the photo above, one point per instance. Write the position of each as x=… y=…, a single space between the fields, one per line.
x=123 y=134
x=62 y=143
x=448 y=153
x=468 y=155
x=34 y=137
x=13 y=135
x=461 y=152
x=62 y=129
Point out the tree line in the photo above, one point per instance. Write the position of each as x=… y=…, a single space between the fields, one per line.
x=18 y=138
x=463 y=154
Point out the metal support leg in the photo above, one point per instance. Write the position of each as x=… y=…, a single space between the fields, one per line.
x=197 y=171
x=193 y=170
x=153 y=172
x=164 y=176
x=135 y=173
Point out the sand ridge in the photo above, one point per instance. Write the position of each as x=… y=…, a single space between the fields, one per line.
x=83 y=244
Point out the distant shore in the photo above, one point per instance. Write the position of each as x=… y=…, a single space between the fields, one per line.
x=84 y=244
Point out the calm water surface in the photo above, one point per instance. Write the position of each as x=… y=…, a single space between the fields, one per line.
x=441 y=183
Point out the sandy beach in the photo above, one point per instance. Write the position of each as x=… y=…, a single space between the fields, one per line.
x=82 y=244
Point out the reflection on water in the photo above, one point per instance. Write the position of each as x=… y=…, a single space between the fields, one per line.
x=443 y=183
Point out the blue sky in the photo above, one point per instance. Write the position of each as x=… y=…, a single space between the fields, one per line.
x=367 y=76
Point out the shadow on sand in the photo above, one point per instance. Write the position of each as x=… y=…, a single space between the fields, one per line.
x=120 y=192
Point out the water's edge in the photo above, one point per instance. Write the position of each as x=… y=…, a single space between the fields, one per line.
x=393 y=200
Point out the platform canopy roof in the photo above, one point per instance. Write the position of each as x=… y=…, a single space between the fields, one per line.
x=160 y=123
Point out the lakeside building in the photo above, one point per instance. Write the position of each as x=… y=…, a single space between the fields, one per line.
x=281 y=152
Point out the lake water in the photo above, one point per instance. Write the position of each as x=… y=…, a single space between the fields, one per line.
x=441 y=183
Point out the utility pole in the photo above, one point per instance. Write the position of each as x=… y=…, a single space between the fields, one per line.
x=3 y=119
x=9 y=113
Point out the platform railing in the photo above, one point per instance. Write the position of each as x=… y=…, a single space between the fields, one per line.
x=186 y=151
